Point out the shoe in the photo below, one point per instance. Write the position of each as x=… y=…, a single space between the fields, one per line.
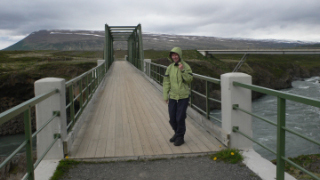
x=173 y=139
x=179 y=141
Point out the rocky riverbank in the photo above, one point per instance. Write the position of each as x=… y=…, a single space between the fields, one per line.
x=18 y=87
x=16 y=168
x=270 y=74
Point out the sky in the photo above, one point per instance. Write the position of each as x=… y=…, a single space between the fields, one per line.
x=253 y=19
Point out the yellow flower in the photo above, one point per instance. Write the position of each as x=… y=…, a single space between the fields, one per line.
x=67 y=157
x=215 y=158
x=232 y=153
x=219 y=146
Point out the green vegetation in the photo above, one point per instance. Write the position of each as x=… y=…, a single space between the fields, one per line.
x=308 y=61
x=64 y=64
x=63 y=168
x=309 y=162
x=228 y=155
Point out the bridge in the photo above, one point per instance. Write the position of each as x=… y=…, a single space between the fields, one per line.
x=131 y=119
x=115 y=111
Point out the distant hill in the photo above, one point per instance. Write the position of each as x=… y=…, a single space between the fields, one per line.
x=94 y=41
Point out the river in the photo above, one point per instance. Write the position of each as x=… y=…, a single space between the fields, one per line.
x=9 y=143
x=301 y=118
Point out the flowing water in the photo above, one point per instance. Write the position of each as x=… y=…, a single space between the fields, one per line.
x=301 y=118
x=9 y=143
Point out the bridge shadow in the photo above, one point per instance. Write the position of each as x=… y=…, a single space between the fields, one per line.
x=131 y=120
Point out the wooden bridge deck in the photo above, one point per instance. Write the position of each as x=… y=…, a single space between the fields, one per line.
x=132 y=120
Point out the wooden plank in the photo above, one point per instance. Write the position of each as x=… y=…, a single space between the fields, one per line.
x=162 y=146
x=87 y=138
x=110 y=146
x=201 y=136
x=119 y=139
x=145 y=118
x=128 y=146
x=94 y=136
x=189 y=146
x=200 y=132
x=216 y=144
x=151 y=102
x=133 y=121
x=158 y=103
x=158 y=123
x=135 y=138
x=105 y=112
x=138 y=116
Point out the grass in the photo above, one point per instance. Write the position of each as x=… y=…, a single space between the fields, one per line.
x=63 y=167
x=32 y=61
x=232 y=156
x=309 y=162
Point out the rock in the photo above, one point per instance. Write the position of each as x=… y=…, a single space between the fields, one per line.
x=16 y=168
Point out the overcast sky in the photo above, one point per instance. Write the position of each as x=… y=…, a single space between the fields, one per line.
x=257 y=19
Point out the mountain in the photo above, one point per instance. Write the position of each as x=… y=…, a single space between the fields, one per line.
x=94 y=41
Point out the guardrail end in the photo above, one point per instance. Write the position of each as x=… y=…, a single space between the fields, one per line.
x=56 y=136
x=235 y=106
x=235 y=128
x=56 y=113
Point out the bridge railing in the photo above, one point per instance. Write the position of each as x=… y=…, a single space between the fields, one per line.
x=280 y=125
x=157 y=71
x=27 y=143
x=240 y=124
x=87 y=84
x=80 y=90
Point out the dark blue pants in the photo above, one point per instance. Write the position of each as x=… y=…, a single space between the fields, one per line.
x=178 y=115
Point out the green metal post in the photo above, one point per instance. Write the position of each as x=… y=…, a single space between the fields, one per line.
x=130 y=47
x=281 y=135
x=28 y=136
x=98 y=75
x=71 y=105
x=92 y=83
x=87 y=88
x=81 y=95
x=191 y=96
x=154 y=73
x=106 y=45
x=111 y=50
x=207 y=100
x=96 y=79
x=141 y=53
x=158 y=73
x=134 y=51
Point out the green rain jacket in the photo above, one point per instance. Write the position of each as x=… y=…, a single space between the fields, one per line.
x=176 y=82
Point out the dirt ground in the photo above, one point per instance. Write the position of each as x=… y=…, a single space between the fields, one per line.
x=165 y=169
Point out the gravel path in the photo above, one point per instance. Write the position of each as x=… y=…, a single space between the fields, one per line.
x=188 y=168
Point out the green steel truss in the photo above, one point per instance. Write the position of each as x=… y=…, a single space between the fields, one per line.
x=131 y=34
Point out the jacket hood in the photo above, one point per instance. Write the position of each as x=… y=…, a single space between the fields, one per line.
x=175 y=50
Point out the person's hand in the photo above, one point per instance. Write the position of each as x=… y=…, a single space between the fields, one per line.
x=180 y=66
x=166 y=101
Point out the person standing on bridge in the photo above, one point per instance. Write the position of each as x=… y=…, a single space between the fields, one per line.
x=176 y=93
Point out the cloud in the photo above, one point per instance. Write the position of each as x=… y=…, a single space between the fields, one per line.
x=286 y=19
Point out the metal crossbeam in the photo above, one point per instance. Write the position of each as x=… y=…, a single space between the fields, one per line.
x=131 y=34
x=262 y=51
x=243 y=59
